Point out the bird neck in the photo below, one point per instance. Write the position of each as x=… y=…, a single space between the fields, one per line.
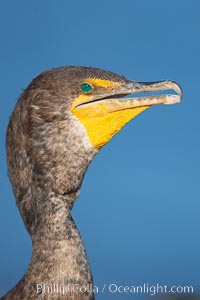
x=59 y=260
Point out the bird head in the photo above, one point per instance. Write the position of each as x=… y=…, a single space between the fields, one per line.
x=64 y=117
x=97 y=99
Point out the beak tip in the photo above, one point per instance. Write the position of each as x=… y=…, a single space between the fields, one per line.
x=173 y=99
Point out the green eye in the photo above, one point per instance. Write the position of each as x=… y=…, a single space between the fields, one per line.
x=86 y=88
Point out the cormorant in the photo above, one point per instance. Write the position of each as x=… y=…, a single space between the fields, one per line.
x=60 y=122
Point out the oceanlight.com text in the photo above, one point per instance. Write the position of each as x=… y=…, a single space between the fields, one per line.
x=111 y=288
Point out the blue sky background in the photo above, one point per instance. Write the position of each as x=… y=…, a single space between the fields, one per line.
x=138 y=211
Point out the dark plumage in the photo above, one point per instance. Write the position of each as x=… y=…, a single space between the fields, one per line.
x=48 y=153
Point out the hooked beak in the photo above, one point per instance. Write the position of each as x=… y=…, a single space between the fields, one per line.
x=118 y=102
